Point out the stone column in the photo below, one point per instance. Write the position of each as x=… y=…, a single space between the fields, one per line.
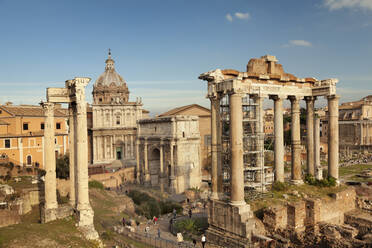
x=126 y=146
x=50 y=165
x=279 y=139
x=296 y=140
x=161 y=167
x=310 y=134
x=131 y=146
x=219 y=152
x=259 y=130
x=236 y=144
x=173 y=174
x=333 y=136
x=138 y=161
x=71 y=139
x=147 y=172
x=214 y=137
x=84 y=210
x=318 y=167
x=361 y=134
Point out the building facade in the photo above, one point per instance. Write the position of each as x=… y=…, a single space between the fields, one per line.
x=204 y=115
x=114 y=119
x=22 y=134
x=168 y=153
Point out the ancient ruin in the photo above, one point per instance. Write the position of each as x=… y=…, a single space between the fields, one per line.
x=74 y=95
x=168 y=153
x=238 y=144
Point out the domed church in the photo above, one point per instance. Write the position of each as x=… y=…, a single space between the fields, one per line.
x=114 y=119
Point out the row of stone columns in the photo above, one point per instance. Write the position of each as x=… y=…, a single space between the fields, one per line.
x=78 y=152
x=236 y=142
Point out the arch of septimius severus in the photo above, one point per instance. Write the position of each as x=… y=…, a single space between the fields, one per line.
x=233 y=141
x=74 y=94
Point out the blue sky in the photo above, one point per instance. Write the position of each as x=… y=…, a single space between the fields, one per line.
x=161 y=46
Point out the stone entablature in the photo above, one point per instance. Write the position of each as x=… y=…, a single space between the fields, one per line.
x=168 y=153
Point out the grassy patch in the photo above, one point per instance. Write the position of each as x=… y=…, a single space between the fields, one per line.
x=30 y=231
x=95 y=185
x=354 y=169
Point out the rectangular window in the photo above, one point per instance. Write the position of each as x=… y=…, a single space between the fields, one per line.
x=25 y=126
x=58 y=125
x=7 y=143
x=42 y=126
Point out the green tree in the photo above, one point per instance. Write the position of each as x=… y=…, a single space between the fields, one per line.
x=63 y=167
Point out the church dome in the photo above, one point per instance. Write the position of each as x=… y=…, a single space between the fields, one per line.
x=110 y=77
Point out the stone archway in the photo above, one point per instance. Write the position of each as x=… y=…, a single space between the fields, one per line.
x=154 y=166
x=119 y=151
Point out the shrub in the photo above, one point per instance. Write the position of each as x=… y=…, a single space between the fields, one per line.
x=279 y=186
x=41 y=172
x=327 y=182
x=95 y=185
x=63 y=167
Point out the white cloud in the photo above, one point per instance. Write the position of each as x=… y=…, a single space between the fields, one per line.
x=229 y=17
x=243 y=16
x=351 y=4
x=303 y=43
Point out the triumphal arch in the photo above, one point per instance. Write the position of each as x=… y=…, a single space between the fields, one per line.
x=238 y=143
x=74 y=94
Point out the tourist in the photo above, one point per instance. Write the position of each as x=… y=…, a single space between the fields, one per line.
x=174 y=213
x=203 y=240
x=194 y=242
x=123 y=221
x=155 y=219
x=147 y=230
x=190 y=213
x=159 y=233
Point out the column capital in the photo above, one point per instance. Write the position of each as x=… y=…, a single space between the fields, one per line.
x=333 y=97
x=310 y=98
x=295 y=98
x=277 y=97
x=48 y=108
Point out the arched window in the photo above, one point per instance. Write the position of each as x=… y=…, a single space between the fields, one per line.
x=29 y=160
x=118 y=120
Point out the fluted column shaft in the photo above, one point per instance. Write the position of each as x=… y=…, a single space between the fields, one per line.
x=147 y=172
x=310 y=134
x=161 y=181
x=49 y=157
x=296 y=141
x=258 y=100
x=236 y=144
x=279 y=139
x=333 y=136
x=71 y=137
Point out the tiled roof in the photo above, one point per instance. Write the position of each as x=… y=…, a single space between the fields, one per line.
x=179 y=109
x=29 y=110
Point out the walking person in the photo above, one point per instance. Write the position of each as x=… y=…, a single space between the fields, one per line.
x=159 y=233
x=190 y=213
x=123 y=221
x=203 y=240
x=147 y=230
x=194 y=242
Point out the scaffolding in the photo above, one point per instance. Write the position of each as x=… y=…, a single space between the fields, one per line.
x=255 y=177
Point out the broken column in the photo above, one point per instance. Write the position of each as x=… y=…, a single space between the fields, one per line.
x=333 y=136
x=296 y=140
x=50 y=205
x=279 y=139
x=310 y=134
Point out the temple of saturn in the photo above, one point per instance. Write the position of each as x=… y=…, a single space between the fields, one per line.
x=74 y=94
x=237 y=138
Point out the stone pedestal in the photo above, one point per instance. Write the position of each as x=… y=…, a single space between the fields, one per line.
x=229 y=225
